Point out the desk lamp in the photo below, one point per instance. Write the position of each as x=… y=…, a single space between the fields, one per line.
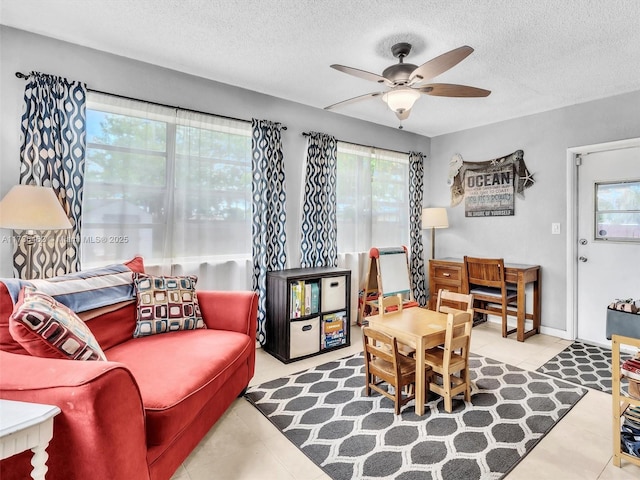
x=30 y=208
x=434 y=218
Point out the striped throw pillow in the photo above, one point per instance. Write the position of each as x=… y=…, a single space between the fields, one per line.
x=88 y=289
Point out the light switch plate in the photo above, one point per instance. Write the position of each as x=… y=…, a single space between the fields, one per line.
x=555 y=228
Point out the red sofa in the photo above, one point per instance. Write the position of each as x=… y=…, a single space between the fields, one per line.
x=138 y=415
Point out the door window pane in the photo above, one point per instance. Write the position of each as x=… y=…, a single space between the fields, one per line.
x=617 y=215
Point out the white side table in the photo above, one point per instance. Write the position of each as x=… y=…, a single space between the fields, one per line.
x=27 y=426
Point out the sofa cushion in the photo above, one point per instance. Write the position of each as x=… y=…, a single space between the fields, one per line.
x=166 y=304
x=177 y=374
x=114 y=327
x=46 y=328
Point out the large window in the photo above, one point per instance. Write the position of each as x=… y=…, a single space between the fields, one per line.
x=170 y=185
x=618 y=211
x=372 y=198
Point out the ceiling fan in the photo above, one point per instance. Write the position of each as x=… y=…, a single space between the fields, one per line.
x=406 y=81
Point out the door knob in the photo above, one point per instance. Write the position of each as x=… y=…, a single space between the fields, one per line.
x=582 y=259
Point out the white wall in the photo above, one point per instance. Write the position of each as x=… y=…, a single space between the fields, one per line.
x=24 y=52
x=526 y=237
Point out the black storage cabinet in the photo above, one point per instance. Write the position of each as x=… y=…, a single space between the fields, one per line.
x=308 y=312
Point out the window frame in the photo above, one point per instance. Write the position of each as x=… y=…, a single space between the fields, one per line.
x=171 y=189
x=373 y=154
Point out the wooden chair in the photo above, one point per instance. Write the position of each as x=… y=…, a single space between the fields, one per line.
x=450 y=365
x=485 y=280
x=383 y=363
x=389 y=302
x=453 y=302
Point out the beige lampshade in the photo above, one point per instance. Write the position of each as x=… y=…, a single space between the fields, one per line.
x=434 y=218
x=28 y=207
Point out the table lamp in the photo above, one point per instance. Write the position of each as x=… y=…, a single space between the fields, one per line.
x=30 y=208
x=434 y=218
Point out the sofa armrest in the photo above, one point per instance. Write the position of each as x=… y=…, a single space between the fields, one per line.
x=100 y=432
x=235 y=311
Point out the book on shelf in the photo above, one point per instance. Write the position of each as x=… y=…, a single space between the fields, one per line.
x=307 y=298
x=335 y=343
x=297 y=300
x=315 y=297
x=334 y=339
x=333 y=329
x=334 y=318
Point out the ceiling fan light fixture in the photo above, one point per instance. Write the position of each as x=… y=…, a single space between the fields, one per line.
x=401 y=99
x=406 y=80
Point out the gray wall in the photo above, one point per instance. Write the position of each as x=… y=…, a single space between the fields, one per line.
x=526 y=237
x=24 y=52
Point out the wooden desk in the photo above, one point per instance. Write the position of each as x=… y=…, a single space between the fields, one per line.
x=419 y=328
x=449 y=273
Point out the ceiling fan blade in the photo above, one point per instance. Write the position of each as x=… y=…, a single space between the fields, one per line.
x=438 y=65
x=361 y=74
x=452 y=90
x=354 y=99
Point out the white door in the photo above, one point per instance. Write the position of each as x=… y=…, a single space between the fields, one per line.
x=608 y=268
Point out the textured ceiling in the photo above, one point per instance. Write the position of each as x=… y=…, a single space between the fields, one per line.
x=534 y=55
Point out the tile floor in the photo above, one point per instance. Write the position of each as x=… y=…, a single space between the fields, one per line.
x=243 y=445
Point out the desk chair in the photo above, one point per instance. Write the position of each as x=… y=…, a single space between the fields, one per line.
x=485 y=280
x=450 y=365
x=383 y=363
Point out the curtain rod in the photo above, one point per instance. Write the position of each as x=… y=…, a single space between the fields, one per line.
x=26 y=76
x=306 y=134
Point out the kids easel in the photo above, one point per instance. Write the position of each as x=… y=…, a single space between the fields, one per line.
x=392 y=265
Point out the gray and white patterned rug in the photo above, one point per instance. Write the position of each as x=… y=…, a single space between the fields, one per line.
x=325 y=413
x=583 y=364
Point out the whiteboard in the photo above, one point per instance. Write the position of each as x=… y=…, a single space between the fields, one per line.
x=394 y=273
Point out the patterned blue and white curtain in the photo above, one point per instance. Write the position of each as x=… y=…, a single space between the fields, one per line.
x=416 y=182
x=52 y=154
x=269 y=216
x=319 y=245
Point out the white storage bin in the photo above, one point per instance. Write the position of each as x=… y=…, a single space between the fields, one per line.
x=333 y=293
x=304 y=337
